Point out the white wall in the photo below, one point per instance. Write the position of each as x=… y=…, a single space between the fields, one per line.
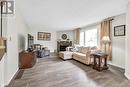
x=118 y=43
x=69 y=33
x=52 y=44
x=2 y=62
x=23 y=31
x=127 y=67
x=16 y=38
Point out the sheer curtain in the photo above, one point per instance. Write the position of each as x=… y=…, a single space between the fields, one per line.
x=82 y=38
x=77 y=37
x=91 y=37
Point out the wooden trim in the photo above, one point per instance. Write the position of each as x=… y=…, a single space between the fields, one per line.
x=20 y=74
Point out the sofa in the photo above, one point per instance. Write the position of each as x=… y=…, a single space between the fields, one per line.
x=83 y=54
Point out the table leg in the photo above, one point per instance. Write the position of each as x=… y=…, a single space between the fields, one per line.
x=99 y=61
x=94 y=66
x=105 y=64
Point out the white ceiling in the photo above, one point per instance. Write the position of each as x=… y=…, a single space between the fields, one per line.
x=68 y=14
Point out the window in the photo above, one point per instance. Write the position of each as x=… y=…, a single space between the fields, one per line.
x=82 y=39
x=89 y=37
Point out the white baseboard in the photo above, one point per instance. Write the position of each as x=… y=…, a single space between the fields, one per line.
x=127 y=76
x=116 y=65
x=12 y=78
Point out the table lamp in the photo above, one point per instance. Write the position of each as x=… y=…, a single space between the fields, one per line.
x=106 y=40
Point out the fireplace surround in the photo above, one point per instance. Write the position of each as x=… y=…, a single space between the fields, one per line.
x=61 y=45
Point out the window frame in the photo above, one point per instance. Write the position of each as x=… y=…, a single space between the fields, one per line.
x=90 y=28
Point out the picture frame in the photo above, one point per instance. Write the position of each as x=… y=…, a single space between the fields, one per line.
x=120 y=30
x=45 y=36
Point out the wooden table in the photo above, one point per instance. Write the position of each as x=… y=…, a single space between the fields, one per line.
x=27 y=59
x=98 y=61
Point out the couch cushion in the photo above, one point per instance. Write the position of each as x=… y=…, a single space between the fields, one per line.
x=94 y=48
x=79 y=55
x=85 y=50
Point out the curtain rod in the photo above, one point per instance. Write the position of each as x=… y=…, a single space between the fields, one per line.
x=1 y=17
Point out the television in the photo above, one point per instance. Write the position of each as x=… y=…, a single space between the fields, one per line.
x=30 y=41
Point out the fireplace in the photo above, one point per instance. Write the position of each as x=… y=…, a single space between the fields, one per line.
x=61 y=46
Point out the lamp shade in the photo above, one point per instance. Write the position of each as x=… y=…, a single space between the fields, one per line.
x=106 y=39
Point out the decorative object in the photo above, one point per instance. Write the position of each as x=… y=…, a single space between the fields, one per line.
x=105 y=41
x=119 y=30
x=75 y=49
x=44 y=36
x=64 y=36
x=68 y=39
x=70 y=48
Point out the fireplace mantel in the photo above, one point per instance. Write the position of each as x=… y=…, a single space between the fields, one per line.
x=61 y=45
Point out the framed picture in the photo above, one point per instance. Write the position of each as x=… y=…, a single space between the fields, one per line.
x=44 y=36
x=119 y=30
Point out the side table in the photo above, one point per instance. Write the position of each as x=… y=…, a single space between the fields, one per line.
x=98 y=58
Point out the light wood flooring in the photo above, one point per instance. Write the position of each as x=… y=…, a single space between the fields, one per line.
x=54 y=72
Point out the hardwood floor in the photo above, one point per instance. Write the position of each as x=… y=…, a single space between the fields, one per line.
x=54 y=72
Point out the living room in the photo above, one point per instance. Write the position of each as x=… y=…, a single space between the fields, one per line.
x=82 y=24
x=118 y=42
